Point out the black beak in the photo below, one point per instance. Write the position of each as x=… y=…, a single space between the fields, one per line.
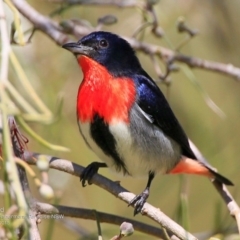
x=77 y=48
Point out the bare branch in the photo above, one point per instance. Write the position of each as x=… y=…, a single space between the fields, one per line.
x=48 y=209
x=41 y=22
x=221 y=188
x=123 y=194
x=115 y=189
x=227 y=69
x=58 y=34
x=113 y=3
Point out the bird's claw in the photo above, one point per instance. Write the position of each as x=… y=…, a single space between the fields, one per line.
x=138 y=202
x=88 y=173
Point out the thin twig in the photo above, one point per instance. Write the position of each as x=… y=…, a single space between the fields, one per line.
x=98 y=224
x=56 y=32
x=113 y=3
x=17 y=22
x=45 y=208
x=222 y=190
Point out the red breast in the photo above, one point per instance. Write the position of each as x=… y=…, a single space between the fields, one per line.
x=101 y=93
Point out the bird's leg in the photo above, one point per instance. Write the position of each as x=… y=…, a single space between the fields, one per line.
x=140 y=199
x=89 y=171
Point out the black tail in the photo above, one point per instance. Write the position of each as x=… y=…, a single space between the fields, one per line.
x=221 y=178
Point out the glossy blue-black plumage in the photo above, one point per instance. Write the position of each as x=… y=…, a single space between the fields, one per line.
x=152 y=101
x=120 y=60
x=118 y=57
x=161 y=126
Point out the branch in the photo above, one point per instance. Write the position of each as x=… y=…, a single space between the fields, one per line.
x=169 y=55
x=16 y=138
x=123 y=194
x=226 y=69
x=115 y=189
x=222 y=190
x=41 y=22
x=45 y=208
x=59 y=35
x=113 y=3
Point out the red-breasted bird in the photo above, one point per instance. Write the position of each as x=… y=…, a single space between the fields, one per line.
x=125 y=119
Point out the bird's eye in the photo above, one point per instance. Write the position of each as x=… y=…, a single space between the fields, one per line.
x=103 y=43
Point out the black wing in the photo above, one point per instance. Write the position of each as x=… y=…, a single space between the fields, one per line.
x=152 y=101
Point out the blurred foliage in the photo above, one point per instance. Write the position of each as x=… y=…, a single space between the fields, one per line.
x=54 y=72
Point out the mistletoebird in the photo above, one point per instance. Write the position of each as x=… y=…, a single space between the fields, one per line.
x=125 y=119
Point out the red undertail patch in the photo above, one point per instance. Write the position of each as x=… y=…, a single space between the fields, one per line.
x=101 y=93
x=190 y=166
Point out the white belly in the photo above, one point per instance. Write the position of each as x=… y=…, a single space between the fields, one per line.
x=140 y=155
x=136 y=161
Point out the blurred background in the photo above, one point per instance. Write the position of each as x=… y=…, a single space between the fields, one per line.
x=54 y=72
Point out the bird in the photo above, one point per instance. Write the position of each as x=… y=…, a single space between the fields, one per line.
x=124 y=117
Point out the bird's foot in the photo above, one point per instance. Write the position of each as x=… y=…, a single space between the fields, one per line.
x=138 y=201
x=89 y=171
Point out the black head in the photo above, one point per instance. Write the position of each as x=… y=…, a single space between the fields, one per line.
x=108 y=49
